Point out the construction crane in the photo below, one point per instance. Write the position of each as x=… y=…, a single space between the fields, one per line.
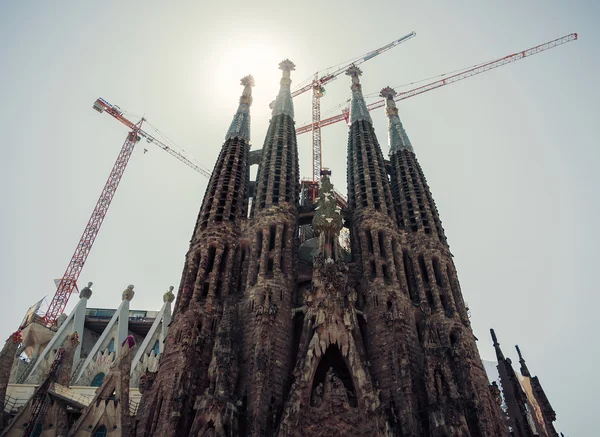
x=317 y=87
x=68 y=282
x=478 y=69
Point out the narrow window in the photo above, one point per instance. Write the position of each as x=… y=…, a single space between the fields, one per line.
x=385 y=272
x=259 y=237
x=97 y=381
x=101 y=431
x=381 y=243
x=437 y=272
x=423 y=268
x=272 y=232
x=409 y=272
x=369 y=241
x=284 y=235
x=223 y=263
x=211 y=259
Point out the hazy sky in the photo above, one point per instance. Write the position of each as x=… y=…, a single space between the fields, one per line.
x=511 y=155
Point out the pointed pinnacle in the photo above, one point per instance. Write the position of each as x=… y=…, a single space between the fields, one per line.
x=287 y=65
x=494 y=339
x=388 y=93
x=247 y=81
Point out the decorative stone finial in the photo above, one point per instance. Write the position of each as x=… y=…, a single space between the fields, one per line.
x=247 y=81
x=169 y=296
x=358 y=107
x=128 y=293
x=86 y=292
x=287 y=65
x=389 y=93
x=283 y=103
x=354 y=72
x=127 y=345
x=397 y=135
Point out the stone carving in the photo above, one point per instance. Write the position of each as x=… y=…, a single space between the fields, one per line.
x=169 y=296
x=86 y=292
x=128 y=293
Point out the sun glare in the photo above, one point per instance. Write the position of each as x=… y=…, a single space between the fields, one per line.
x=253 y=56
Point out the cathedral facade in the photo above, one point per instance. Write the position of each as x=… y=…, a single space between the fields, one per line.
x=277 y=335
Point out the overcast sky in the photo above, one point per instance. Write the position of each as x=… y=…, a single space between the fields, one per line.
x=511 y=155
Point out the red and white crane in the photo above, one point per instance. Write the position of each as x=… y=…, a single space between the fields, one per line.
x=317 y=92
x=478 y=69
x=68 y=282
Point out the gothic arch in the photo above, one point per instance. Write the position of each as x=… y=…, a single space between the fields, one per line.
x=333 y=365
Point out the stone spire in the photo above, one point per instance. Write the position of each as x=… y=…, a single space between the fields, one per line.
x=240 y=125
x=283 y=103
x=397 y=135
x=499 y=353
x=524 y=369
x=358 y=107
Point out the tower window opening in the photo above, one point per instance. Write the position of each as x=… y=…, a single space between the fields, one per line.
x=101 y=431
x=381 y=243
x=437 y=272
x=282 y=263
x=384 y=270
x=444 y=301
x=97 y=381
x=270 y=265
x=212 y=250
x=284 y=235
x=369 y=241
x=223 y=262
x=458 y=300
x=272 y=232
x=423 y=268
x=373 y=268
x=409 y=272
x=259 y=237
x=298 y=322
x=333 y=375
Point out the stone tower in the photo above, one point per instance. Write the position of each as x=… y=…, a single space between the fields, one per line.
x=267 y=302
x=276 y=335
x=201 y=332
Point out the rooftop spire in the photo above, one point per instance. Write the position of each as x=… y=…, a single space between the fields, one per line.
x=499 y=353
x=358 y=107
x=524 y=369
x=397 y=135
x=240 y=126
x=283 y=103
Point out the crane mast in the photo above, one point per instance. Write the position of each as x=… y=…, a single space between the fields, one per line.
x=68 y=282
x=478 y=69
